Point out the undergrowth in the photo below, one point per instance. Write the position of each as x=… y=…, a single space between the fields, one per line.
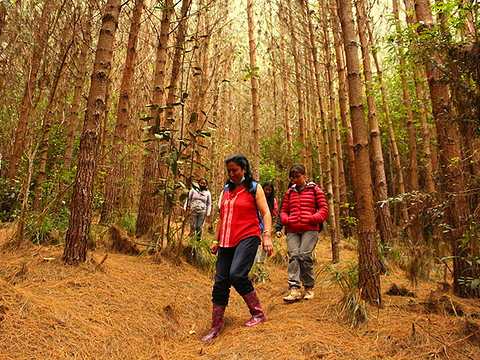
x=351 y=308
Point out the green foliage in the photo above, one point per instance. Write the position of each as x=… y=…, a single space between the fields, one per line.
x=198 y=254
x=259 y=273
x=9 y=192
x=49 y=229
x=351 y=308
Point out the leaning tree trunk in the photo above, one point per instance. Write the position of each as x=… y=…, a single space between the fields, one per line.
x=458 y=210
x=82 y=197
x=110 y=204
x=384 y=218
x=368 y=261
x=35 y=61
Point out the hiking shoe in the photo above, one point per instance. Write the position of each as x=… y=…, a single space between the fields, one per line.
x=308 y=293
x=293 y=295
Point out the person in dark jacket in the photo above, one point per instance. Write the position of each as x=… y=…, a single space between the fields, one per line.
x=304 y=208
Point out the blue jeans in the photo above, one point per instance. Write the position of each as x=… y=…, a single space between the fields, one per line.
x=233 y=266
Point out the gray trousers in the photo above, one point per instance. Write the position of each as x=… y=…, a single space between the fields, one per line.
x=196 y=224
x=300 y=264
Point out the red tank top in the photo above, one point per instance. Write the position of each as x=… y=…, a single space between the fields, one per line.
x=239 y=217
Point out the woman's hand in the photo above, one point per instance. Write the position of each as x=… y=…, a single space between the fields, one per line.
x=267 y=243
x=214 y=248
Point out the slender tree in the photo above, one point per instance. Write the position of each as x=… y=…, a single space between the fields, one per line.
x=252 y=46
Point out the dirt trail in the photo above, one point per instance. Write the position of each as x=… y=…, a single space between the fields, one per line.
x=155 y=308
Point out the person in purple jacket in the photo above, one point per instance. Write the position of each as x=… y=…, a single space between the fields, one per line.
x=304 y=209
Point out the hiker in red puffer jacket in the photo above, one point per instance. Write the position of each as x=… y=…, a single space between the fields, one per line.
x=303 y=212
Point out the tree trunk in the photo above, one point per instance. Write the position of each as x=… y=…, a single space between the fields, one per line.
x=79 y=79
x=37 y=54
x=384 y=218
x=47 y=124
x=147 y=208
x=299 y=88
x=326 y=142
x=368 y=261
x=397 y=165
x=82 y=197
x=285 y=71
x=458 y=210
x=252 y=46
x=111 y=201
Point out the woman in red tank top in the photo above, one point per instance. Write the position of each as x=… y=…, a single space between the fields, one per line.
x=236 y=242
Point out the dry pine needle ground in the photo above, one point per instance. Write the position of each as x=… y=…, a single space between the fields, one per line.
x=141 y=308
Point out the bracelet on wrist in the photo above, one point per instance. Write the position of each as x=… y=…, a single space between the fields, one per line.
x=215 y=241
x=267 y=231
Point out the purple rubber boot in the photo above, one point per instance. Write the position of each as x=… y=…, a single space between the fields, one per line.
x=217 y=321
x=253 y=303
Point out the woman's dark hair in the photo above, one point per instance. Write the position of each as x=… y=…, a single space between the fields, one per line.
x=241 y=161
x=298 y=167
x=271 y=197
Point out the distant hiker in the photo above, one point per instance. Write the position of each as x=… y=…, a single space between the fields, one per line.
x=199 y=202
x=269 y=191
x=242 y=211
x=304 y=209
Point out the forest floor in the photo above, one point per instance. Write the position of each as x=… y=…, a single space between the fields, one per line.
x=159 y=307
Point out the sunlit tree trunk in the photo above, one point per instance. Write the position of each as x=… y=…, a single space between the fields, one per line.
x=384 y=218
x=82 y=197
x=368 y=260
x=458 y=211
x=35 y=62
x=147 y=208
x=252 y=46
x=79 y=79
x=112 y=183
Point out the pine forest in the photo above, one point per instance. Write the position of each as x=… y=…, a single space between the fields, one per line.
x=112 y=111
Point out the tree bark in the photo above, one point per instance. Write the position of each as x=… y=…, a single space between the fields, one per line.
x=326 y=141
x=35 y=62
x=458 y=210
x=111 y=201
x=147 y=208
x=79 y=79
x=82 y=197
x=368 y=261
x=252 y=46
x=382 y=207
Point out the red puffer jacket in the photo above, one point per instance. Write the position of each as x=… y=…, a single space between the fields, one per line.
x=299 y=212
